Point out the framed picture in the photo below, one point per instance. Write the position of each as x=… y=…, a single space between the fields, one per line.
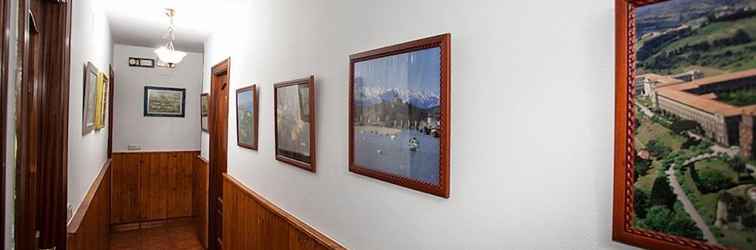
x=247 y=117
x=164 y=102
x=161 y=64
x=141 y=62
x=399 y=114
x=295 y=123
x=205 y=111
x=684 y=125
x=89 y=108
x=101 y=99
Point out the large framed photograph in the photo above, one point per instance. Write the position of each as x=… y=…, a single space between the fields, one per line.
x=89 y=105
x=399 y=114
x=164 y=102
x=247 y=117
x=684 y=126
x=294 y=109
x=204 y=111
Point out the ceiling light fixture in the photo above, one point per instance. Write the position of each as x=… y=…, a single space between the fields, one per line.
x=168 y=53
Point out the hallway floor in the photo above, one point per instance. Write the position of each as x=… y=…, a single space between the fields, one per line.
x=182 y=236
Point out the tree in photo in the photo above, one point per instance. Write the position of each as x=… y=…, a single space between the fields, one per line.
x=657 y=149
x=661 y=193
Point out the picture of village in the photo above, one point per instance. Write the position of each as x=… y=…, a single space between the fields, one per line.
x=164 y=102
x=695 y=164
x=397 y=115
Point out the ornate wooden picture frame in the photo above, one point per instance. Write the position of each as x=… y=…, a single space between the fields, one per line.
x=247 y=117
x=399 y=114
x=665 y=85
x=295 y=123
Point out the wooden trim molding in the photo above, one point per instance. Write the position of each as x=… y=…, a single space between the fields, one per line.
x=90 y=226
x=252 y=222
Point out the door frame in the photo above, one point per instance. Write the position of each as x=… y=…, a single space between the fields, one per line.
x=42 y=160
x=215 y=220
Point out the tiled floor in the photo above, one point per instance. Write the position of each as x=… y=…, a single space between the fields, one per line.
x=179 y=237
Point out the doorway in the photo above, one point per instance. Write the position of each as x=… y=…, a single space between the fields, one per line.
x=218 y=127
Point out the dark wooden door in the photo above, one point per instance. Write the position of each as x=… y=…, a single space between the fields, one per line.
x=218 y=150
x=29 y=133
x=42 y=124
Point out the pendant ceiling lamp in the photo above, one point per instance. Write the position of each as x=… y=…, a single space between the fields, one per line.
x=168 y=53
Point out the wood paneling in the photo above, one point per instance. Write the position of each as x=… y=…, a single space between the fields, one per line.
x=251 y=222
x=125 y=189
x=152 y=186
x=200 y=189
x=90 y=226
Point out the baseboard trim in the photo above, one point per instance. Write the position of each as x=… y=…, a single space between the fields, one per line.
x=309 y=232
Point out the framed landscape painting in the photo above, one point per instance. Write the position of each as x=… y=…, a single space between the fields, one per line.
x=684 y=128
x=89 y=108
x=294 y=109
x=399 y=114
x=246 y=117
x=164 y=102
x=204 y=111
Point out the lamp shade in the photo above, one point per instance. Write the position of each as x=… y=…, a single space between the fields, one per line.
x=169 y=56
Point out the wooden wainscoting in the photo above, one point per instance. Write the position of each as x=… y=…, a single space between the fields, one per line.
x=251 y=222
x=199 y=201
x=90 y=226
x=151 y=187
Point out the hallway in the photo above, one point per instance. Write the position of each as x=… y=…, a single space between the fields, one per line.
x=309 y=124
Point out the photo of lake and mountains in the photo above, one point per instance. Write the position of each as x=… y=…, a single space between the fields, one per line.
x=397 y=113
x=695 y=102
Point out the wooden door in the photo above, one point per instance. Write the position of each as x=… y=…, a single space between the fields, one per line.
x=218 y=150
x=42 y=124
x=29 y=132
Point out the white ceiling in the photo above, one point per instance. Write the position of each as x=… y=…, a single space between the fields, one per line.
x=143 y=22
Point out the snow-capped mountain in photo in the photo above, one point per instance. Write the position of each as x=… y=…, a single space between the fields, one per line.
x=376 y=95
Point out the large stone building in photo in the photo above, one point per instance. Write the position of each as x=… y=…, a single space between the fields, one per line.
x=698 y=100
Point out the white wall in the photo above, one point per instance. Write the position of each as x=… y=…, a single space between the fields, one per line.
x=155 y=133
x=90 y=42
x=532 y=119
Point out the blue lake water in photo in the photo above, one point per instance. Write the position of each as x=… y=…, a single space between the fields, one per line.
x=382 y=153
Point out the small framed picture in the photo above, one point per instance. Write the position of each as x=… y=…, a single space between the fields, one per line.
x=164 y=102
x=247 y=117
x=205 y=111
x=141 y=62
x=295 y=123
x=165 y=65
